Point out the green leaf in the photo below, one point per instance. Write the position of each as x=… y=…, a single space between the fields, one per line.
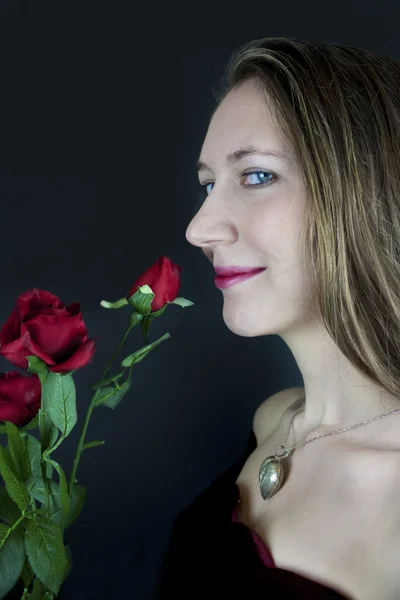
x=15 y=487
x=143 y=352
x=32 y=424
x=9 y=511
x=35 y=457
x=46 y=552
x=18 y=451
x=113 y=396
x=137 y=356
x=12 y=558
x=36 y=365
x=78 y=496
x=93 y=444
x=182 y=302
x=27 y=574
x=117 y=304
x=103 y=394
x=48 y=431
x=63 y=487
x=103 y=382
x=59 y=401
x=35 y=488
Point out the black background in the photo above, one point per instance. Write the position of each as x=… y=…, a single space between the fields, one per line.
x=103 y=109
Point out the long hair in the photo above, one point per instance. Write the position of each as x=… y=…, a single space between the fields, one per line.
x=338 y=109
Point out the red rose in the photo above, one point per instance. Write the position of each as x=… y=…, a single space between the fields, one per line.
x=163 y=278
x=41 y=325
x=19 y=397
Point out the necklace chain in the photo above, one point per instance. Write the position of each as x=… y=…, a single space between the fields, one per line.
x=333 y=432
x=272 y=473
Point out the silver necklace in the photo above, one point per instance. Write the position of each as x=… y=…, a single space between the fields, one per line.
x=271 y=474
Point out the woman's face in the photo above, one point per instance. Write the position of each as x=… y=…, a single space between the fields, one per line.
x=251 y=217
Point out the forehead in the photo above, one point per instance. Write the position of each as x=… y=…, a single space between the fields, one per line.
x=243 y=118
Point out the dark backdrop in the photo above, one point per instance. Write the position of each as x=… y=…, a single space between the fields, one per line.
x=103 y=111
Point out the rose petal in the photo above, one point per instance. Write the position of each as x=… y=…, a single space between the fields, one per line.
x=24 y=390
x=163 y=278
x=33 y=301
x=79 y=359
x=16 y=351
x=33 y=411
x=73 y=309
x=13 y=412
x=56 y=336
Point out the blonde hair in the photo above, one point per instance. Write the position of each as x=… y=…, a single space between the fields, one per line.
x=338 y=109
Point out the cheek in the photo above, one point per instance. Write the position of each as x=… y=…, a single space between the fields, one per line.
x=273 y=229
x=274 y=234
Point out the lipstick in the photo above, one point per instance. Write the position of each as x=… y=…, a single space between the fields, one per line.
x=228 y=276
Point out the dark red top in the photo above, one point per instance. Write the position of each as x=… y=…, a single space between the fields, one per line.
x=211 y=555
x=262 y=549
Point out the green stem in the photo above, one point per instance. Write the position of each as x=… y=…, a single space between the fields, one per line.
x=122 y=342
x=33 y=504
x=43 y=465
x=15 y=525
x=51 y=450
x=79 y=448
x=92 y=405
x=45 y=593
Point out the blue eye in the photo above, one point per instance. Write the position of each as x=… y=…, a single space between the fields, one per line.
x=203 y=192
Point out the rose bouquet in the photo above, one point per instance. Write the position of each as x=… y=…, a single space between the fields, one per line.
x=49 y=341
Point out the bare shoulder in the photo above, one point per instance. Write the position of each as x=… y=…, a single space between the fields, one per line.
x=268 y=413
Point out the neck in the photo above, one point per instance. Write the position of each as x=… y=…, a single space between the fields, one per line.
x=302 y=429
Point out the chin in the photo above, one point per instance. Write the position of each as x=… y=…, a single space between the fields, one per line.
x=252 y=324
x=244 y=333
x=245 y=329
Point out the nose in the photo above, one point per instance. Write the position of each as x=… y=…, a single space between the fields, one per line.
x=211 y=228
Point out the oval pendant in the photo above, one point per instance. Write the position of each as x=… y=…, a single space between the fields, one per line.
x=270 y=477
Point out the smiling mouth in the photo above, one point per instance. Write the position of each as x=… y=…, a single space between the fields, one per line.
x=223 y=282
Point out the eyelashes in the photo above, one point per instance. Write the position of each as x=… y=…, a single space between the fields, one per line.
x=202 y=193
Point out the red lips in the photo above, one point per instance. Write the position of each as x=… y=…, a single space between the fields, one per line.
x=232 y=271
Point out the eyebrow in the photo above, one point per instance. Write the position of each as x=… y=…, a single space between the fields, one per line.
x=234 y=157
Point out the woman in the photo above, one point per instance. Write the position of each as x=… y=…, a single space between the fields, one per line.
x=301 y=175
